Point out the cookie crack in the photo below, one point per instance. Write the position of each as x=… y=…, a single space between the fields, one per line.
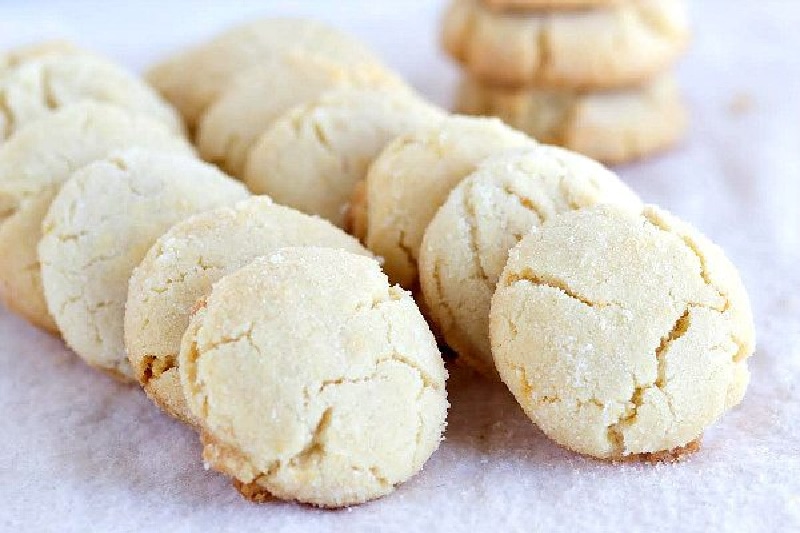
x=527 y=388
x=527 y=275
x=695 y=250
x=49 y=98
x=156 y=365
x=470 y=219
x=316 y=444
x=525 y=202
x=181 y=276
x=441 y=302
x=406 y=249
x=615 y=431
x=10 y=120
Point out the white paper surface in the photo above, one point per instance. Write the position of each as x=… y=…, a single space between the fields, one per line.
x=79 y=452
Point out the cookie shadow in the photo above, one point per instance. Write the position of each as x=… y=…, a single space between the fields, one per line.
x=486 y=421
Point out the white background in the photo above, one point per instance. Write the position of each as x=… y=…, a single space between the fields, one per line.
x=79 y=452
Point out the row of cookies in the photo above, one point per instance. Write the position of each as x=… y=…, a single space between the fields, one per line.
x=199 y=323
x=53 y=96
x=592 y=76
x=114 y=230
x=444 y=203
x=293 y=108
x=621 y=331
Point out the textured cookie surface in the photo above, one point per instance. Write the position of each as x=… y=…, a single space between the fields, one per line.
x=260 y=95
x=466 y=244
x=314 y=155
x=619 y=45
x=313 y=379
x=16 y=56
x=621 y=333
x=34 y=164
x=180 y=268
x=411 y=179
x=193 y=79
x=612 y=126
x=47 y=83
x=100 y=226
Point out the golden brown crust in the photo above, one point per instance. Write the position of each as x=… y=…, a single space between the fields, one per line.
x=671 y=456
x=253 y=492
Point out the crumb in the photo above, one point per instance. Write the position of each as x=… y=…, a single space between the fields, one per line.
x=740 y=104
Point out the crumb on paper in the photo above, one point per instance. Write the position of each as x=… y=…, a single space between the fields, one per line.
x=740 y=104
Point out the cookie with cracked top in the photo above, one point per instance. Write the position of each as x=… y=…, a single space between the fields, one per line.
x=466 y=245
x=621 y=334
x=313 y=379
x=411 y=179
x=182 y=265
x=99 y=227
x=312 y=157
x=34 y=164
x=194 y=78
x=43 y=84
x=619 y=45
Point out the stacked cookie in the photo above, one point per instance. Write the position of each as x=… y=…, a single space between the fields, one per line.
x=590 y=75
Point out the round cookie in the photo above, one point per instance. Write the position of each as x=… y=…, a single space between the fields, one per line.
x=233 y=123
x=193 y=79
x=44 y=84
x=619 y=45
x=313 y=156
x=332 y=394
x=411 y=179
x=621 y=333
x=532 y=5
x=614 y=126
x=180 y=268
x=466 y=244
x=100 y=226
x=34 y=164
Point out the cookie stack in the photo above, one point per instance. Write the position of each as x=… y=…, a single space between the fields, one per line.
x=590 y=75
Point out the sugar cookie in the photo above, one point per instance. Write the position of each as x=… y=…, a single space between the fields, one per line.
x=193 y=79
x=256 y=98
x=44 y=84
x=466 y=244
x=313 y=379
x=620 y=45
x=100 y=226
x=612 y=126
x=619 y=333
x=34 y=164
x=180 y=268
x=411 y=179
x=313 y=156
